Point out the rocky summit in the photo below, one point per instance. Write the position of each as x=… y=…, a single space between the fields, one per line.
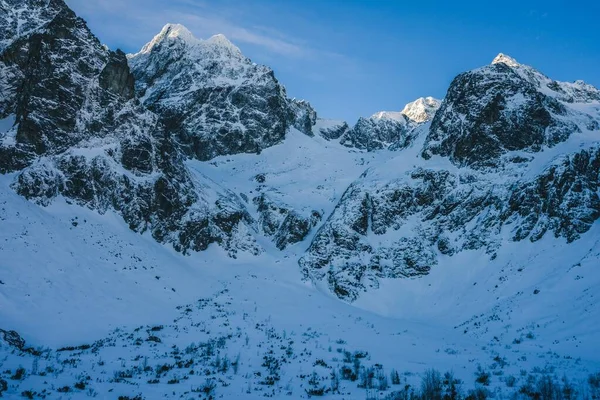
x=212 y=98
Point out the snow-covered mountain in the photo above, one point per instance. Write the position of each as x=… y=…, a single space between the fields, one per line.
x=211 y=97
x=77 y=132
x=400 y=217
x=201 y=227
x=390 y=129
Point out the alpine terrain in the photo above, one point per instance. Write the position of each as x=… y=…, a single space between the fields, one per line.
x=174 y=225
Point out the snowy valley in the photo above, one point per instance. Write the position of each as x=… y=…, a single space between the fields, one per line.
x=173 y=225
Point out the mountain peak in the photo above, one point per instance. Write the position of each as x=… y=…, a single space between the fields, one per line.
x=176 y=30
x=170 y=32
x=504 y=59
x=422 y=109
x=221 y=41
x=181 y=33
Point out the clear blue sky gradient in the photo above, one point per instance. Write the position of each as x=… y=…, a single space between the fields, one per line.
x=354 y=58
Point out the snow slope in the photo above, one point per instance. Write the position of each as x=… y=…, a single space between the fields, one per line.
x=150 y=315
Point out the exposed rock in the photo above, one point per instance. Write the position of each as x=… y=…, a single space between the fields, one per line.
x=13 y=339
x=211 y=97
x=285 y=225
x=374 y=134
x=390 y=225
x=332 y=130
x=390 y=129
x=306 y=116
x=500 y=108
x=116 y=76
x=80 y=133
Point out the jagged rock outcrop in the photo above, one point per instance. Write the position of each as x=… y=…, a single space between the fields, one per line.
x=305 y=117
x=377 y=133
x=20 y=17
x=505 y=107
x=390 y=225
x=80 y=133
x=282 y=223
x=13 y=339
x=331 y=129
x=212 y=98
x=389 y=129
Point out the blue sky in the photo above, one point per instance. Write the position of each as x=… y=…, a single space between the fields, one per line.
x=353 y=58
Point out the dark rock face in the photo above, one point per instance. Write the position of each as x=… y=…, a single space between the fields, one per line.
x=388 y=226
x=285 y=225
x=306 y=116
x=295 y=228
x=47 y=100
x=435 y=210
x=497 y=109
x=13 y=339
x=564 y=199
x=116 y=76
x=334 y=131
x=215 y=100
x=374 y=134
x=389 y=129
x=81 y=134
x=38 y=12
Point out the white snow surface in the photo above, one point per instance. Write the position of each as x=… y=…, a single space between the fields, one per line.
x=180 y=32
x=72 y=277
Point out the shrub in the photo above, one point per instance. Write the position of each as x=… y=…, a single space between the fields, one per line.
x=315 y=389
x=236 y=364
x=320 y=362
x=395 y=377
x=548 y=389
x=431 y=385
x=335 y=382
x=208 y=388
x=482 y=377
x=510 y=381
x=367 y=375
x=568 y=390
x=19 y=374
x=154 y=339
x=382 y=380
x=594 y=382
x=478 y=394
x=451 y=387
x=347 y=373
x=28 y=394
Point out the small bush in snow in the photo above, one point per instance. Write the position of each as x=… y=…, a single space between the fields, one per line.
x=482 y=377
x=395 y=377
x=510 y=381
x=431 y=385
x=19 y=374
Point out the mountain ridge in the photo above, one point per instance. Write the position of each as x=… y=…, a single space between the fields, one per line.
x=188 y=215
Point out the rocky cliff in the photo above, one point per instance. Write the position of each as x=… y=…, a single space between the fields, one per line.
x=211 y=97
x=510 y=155
x=80 y=133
